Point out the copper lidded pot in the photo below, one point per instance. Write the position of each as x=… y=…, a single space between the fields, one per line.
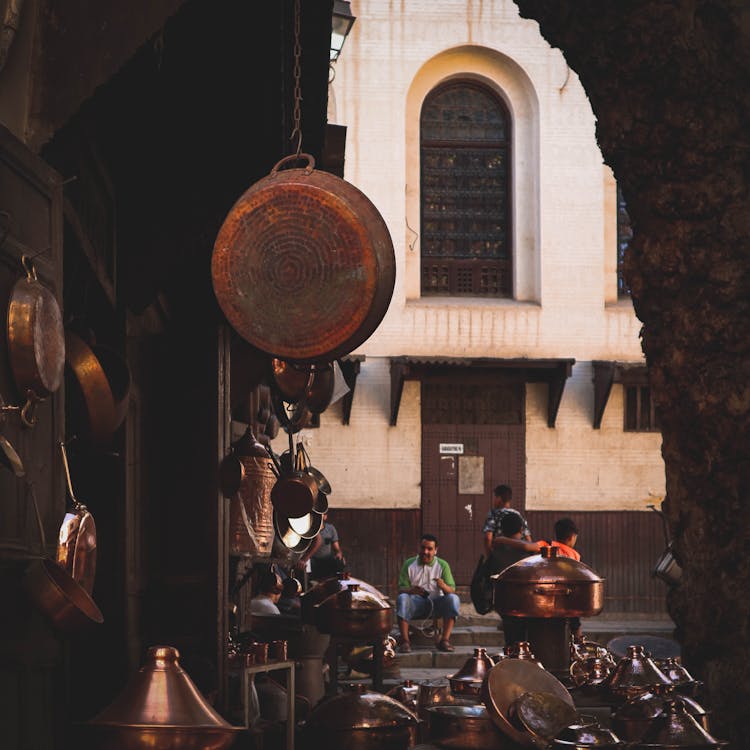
x=547 y=585
x=354 y=612
x=361 y=720
x=160 y=708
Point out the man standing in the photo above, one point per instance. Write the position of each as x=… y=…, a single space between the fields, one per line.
x=426 y=589
x=501 y=507
x=325 y=554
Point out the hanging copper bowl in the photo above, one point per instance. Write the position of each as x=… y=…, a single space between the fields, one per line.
x=315 y=245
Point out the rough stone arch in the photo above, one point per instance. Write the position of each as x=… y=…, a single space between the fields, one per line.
x=668 y=82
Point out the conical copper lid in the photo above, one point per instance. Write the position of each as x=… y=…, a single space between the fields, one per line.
x=675 y=727
x=161 y=695
x=634 y=673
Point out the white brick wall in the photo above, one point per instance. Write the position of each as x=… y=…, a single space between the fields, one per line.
x=563 y=211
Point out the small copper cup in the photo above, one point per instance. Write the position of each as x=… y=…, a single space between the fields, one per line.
x=260 y=652
x=277 y=650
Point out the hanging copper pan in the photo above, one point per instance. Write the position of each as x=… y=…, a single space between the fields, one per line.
x=36 y=340
x=90 y=390
x=316 y=247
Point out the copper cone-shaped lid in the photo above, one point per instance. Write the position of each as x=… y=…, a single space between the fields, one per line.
x=675 y=727
x=161 y=695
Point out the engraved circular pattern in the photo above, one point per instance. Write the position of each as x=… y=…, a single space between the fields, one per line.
x=296 y=266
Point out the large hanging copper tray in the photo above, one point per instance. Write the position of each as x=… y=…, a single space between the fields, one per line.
x=508 y=681
x=303 y=266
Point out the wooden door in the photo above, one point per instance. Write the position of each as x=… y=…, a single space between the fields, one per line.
x=463 y=461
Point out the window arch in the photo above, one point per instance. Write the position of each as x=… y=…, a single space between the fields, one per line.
x=465 y=158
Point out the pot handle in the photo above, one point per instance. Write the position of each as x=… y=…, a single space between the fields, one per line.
x=554 y=590
x=39 y=524
x=64 y=453
x=294 y=158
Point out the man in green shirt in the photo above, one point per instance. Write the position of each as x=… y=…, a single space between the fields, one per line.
x=426 y=589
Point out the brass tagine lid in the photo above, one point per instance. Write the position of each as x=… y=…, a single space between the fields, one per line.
x=636 y=672
x=162 y=696
x=674 y=727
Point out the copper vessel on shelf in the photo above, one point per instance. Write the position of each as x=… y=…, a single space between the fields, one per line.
x=361 y=720
x=547 y=585
x=160 y=708
x=354 y=612
x=468 y=680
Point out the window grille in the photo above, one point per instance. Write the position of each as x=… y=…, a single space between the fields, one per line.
x=465 y=171
x=640 y=415
x=624 y=235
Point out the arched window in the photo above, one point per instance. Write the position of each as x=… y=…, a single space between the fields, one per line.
x=466 y=243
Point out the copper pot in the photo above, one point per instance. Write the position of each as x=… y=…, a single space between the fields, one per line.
x=324 y=589
x=36 y=340
x=586 y=737
x=463 y=728
x=354 y=613
x=546 y=585
x=291 y=379
x=361 y=720
x=316 y=244
x=406 y=694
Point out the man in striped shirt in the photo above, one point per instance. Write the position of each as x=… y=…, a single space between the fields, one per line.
x=426 y=589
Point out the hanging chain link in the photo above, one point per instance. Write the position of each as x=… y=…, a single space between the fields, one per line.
x=297 y=79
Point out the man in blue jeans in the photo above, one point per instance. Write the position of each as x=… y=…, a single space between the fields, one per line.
x=426 y=589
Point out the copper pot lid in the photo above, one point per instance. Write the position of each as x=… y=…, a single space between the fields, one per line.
x=635 y=671
x=543 y=715
x=476 y=667
x=353 y=597
x=289 y=538
x=548 y=567
x=161 y=695
x=360 y=709
x=509 y=680
x=649 y=705
x=676 y=728
x=586 y=735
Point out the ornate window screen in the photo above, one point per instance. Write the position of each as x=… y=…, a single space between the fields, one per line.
x=465 y=171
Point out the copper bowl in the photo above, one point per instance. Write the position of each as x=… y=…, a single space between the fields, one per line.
x=463 y=727
x=65 y=603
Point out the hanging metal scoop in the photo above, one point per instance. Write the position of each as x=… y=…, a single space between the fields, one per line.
x=76 y=544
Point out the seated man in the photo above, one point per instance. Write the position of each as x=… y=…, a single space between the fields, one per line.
x=266 y=600
x=426 y=589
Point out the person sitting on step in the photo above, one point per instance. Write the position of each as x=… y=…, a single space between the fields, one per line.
x=426 y=589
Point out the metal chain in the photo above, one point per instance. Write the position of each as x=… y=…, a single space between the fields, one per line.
x=297 y=79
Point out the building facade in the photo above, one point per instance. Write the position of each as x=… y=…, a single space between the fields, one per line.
x=509 y=353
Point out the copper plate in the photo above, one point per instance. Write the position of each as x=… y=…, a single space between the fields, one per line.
x=543 y=715
x=509 y=680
